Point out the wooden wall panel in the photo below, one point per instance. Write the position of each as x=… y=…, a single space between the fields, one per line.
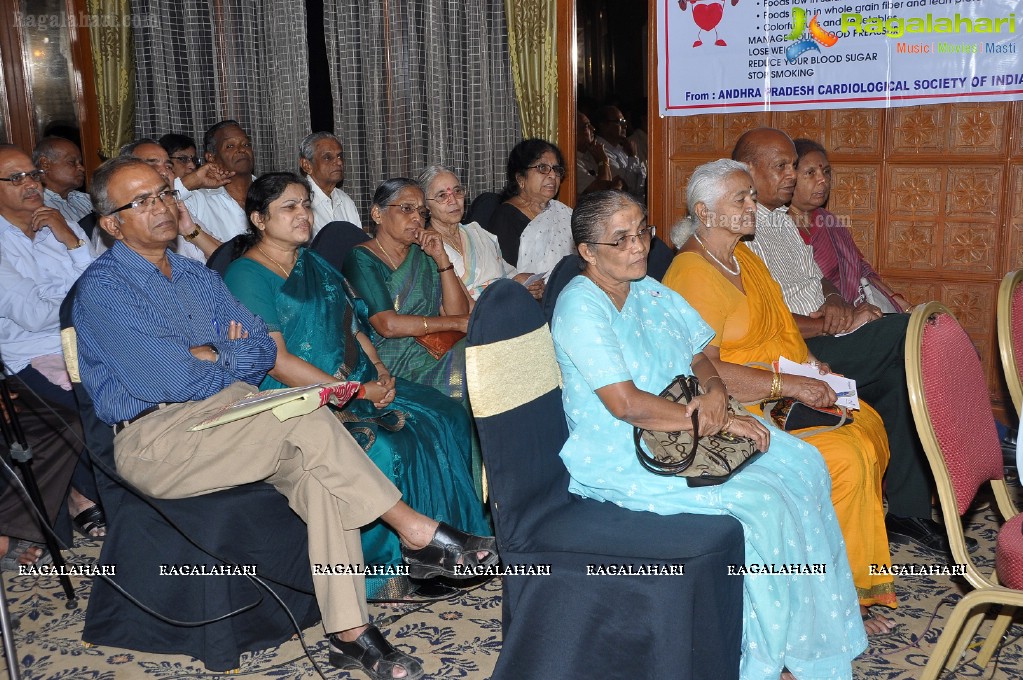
x=933 y=194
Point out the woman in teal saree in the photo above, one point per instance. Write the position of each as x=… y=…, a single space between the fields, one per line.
x=417 y=436
x=411 y=289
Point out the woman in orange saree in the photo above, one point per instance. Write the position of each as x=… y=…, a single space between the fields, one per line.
x=734 y=293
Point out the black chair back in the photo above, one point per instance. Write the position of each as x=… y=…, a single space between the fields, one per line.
x=335 y=240
x=659 y=259
x=482 y=207
x=563 y=272
x=228 y=252
x=88 y=223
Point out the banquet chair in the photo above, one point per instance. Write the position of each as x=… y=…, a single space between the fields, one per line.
x=335 y=240
x=482 y=208
x=246 y=525
x=1010 y=334
x=225 y=254
x=571 y=624
x=952 y=410
x=564 y=271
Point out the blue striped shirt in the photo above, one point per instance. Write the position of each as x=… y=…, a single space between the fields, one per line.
x=135 y=328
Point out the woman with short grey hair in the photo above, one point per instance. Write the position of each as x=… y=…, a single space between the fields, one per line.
x=473 y=250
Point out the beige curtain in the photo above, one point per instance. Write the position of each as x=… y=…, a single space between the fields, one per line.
x=532 y=34
x=113 y=59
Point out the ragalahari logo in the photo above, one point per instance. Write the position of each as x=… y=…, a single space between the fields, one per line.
x=818 y=36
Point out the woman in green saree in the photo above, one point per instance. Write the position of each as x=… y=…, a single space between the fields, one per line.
x=411 y=289
x=417 y=436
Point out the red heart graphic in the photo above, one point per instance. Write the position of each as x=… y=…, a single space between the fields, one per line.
x=707 y=15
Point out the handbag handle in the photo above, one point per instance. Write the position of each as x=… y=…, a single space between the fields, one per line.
x=663 y=469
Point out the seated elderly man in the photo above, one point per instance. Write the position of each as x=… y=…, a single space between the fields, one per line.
x=163 y=345
x=870 y=346
x=193 y=241
x=621 y=151
x=215 y=193
x=322 y=158
x=41 y=256
x=61 y=161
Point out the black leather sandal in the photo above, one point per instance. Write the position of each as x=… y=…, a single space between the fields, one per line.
x=89 y=520
x=374 y=655
x=451 y=553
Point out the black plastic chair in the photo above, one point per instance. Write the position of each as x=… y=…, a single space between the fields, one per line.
x=572 y=624
x=226 y=253
x=88 y=224
x=246 y=525
x=335 y=240
x=482 y=207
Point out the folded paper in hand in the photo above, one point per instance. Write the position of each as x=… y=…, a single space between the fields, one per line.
x=285 y=403
x=844 y=387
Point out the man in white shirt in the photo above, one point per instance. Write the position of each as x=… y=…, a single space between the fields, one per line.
x=625 y=161
x=855 y=341
x=42 y=254
x=61 y=160
x=322 y=158
x=229 y=163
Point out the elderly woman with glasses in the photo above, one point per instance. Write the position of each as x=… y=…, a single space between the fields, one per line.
x=411 y=290
x=620 y=338
x=533 y=228
x=472 y=249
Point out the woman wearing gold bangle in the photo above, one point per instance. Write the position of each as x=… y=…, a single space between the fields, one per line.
x=406 y=278
x=734 y=293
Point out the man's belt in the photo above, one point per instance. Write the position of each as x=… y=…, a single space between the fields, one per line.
x=125 y=423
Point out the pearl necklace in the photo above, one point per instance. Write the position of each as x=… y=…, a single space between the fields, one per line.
x=279 y=266
x=721 y=264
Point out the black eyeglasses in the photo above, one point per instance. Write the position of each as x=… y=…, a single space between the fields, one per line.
x=408 y=209
x=18 y=178
x=626 y=240
x=545 y=169
x=447 y=196
x=195 y=160
x=149 y=202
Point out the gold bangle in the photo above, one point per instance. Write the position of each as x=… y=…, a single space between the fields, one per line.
x=715 y=377
x=426 y=326
x=776 y=386
x=194 y=234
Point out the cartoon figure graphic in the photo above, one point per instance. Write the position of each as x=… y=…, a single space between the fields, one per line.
x=707 y=15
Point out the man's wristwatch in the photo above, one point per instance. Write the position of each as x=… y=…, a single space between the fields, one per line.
x=77 y=245
x=213 y=348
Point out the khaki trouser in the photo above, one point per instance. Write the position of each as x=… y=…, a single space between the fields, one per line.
x=325 y=475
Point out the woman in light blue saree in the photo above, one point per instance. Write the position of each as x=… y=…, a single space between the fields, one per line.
x=417 y=436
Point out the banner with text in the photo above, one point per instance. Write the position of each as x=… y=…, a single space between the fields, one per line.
x=726 y=56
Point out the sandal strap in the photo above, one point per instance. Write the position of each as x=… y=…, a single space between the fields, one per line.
x=378 y=656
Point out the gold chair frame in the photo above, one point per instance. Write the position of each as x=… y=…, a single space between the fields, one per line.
x=1003 y=318
x=964 y=621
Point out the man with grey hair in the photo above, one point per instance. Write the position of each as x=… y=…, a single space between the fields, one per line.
x=322 y=158
x=61 y=160
x=193 y=241
x=162 y=344
x=856 y=341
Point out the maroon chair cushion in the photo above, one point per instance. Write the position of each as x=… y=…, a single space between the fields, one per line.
x=1016 y=324
x=1009 y=553
x=960 y=407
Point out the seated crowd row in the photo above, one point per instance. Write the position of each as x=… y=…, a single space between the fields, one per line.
x=762 y=271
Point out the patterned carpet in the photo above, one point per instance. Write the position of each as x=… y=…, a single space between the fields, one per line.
x=461 y=638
